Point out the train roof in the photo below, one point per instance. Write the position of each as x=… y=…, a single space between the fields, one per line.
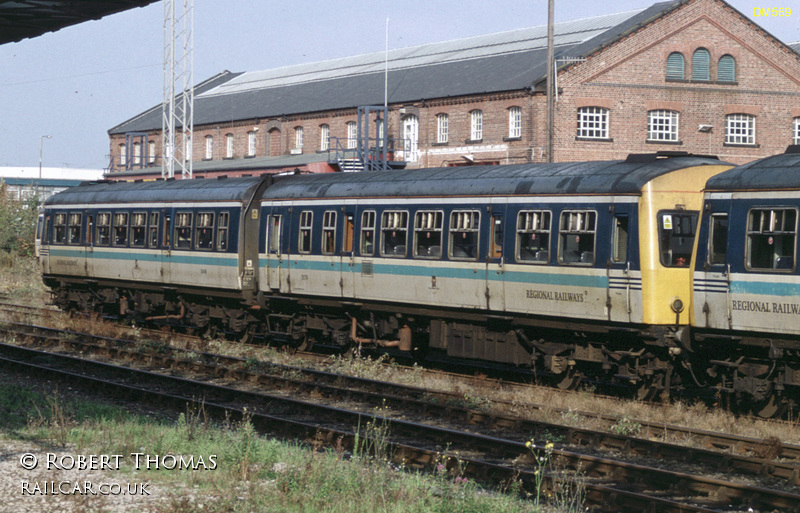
x=771 y=173
x=157 y=191
x=569 y=178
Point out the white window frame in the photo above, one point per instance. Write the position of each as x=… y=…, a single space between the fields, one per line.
x=662 y=125
x=593 y=123
x=298 y=137
x=796 y=138
x=442 y=129
x=324 y=136
x=515 y=122
x=476 y=125
x=151 y=152
x=740 y=129
x=352 y=135
x=251 y=143
x=137 y=153
x=229 y=146
x=209 y=147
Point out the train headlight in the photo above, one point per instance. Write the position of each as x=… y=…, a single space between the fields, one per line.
x=677 y=305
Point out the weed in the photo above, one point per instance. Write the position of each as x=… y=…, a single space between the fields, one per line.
x=626 y=426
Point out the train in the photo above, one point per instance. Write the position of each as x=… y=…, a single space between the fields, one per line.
x=653 y=272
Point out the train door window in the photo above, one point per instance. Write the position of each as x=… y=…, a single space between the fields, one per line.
x=39 y=227
x=75 y=223
x=48 y=234
x=183 y=230
x=496 y=246
x=428 y=234
x=464 y=234
x=329 y=232
x=167 y=231
x=153 y=230
x=771 y=239
x=394 y=229
x=204 y=231
x=619 y=239
x=60 y=227
x=138 y=229
x=306 y=220
x=121 y=229
x=274 y=245
x=89 y=229
x=103 y=228
x=718 y=240
x=348 y=233
x=676 y=231
x=577 y=237
x=222 y=231
x=533 y=236
x=367 y=247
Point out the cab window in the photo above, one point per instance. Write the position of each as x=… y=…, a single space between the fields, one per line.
x=676 y=231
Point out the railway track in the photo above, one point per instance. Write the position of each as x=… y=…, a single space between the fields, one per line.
x=610 y=481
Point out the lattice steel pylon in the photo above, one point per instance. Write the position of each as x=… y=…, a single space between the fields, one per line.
x=178 y=106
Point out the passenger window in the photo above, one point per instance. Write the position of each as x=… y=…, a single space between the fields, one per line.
x=153 y=229
x=394 y=225
x=464 y=225
x=533 y=236
x=60 y=225
x=222 y=231
x=204 y=231
x=304 y=244
x=75 y=222
x=121 y=229
x=183 y=230
x=367 y=233
x=428 y=234
x=103 y=229
x=329 y=232
x=275 y=235
x=718 y=240
x=619 y=251
x=676 y=231
x=138 y=226
x=771 y=235
x=577 y=236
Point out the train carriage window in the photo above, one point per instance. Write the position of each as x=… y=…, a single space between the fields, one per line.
x=619 y=239
x=204 y=231
x=306 y=220
x=138 y=229
x=120 y=228
x=771 y=239
x=183 y=230
x=676 y=232
x=329 y=232
x=718 y=240
x=153 y=230
x=74 y=229
x=222 y=231
x=577 y=237
x=533 y=236
x=428 y=234
x=394 y=229
x=464 y=235
x=60 y=226
x=274 y=245
x=103 y=228
x=367 y=247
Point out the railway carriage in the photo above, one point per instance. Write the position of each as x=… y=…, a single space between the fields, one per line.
x=747 y=288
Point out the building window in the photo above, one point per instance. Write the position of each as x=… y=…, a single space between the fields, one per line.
x=771 y=235
x=137 y=153
x=151 y=152
x=123 y=155
x=514 y=123
x=740 y=129
x=700 y=66
x=662 y=125
x=324 y=136
x=796 y=131
x=209 y=147
x=298 y=137
x=726 y=69
x=593 y=123
x=251 y=144
x=442 y=121
x=352 y=135
x=476 y=125
x=411 y=138
x=229 y=146
x=675 y=66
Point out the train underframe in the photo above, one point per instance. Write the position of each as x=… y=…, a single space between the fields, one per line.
x=651 y=362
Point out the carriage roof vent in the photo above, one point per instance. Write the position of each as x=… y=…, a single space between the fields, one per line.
x=640 y=158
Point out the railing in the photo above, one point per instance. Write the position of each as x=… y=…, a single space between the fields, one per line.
x=374 y=158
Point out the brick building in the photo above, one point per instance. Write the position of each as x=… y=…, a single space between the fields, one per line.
x=685 y=75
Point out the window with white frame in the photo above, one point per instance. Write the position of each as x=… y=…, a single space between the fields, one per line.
x=151 y=152
x=442 y=121
x=740 y=129
x=324 y=135
x=137 y=153
x=329 y=232
x=229 y=146
x=476 y=125
x=251 y=143
x=352 y=135
x=515 y=122
x=593 y=123
x=796 y=131
x=123 y=155
x=662 y=125
x=298 y=137
x=209 y=147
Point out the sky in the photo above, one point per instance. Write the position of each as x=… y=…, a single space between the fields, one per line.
x=75 y=84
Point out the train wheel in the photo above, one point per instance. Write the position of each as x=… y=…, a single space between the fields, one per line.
x=647 y=390
x=569 y=380
x=771 y=406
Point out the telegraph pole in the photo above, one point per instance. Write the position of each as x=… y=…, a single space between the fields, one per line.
x=550 y=81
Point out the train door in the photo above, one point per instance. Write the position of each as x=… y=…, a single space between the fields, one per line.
x=495 y=273
x=619 y=301
x=275 y=257
x=712 y=282
x=88 y=243
x=347 y=255
x=165 y=253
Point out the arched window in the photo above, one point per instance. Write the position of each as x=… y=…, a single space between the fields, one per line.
x=726 y=69
x=700 y=68
x=675 y=66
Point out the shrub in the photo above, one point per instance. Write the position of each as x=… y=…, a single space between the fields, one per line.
x=17 y=223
